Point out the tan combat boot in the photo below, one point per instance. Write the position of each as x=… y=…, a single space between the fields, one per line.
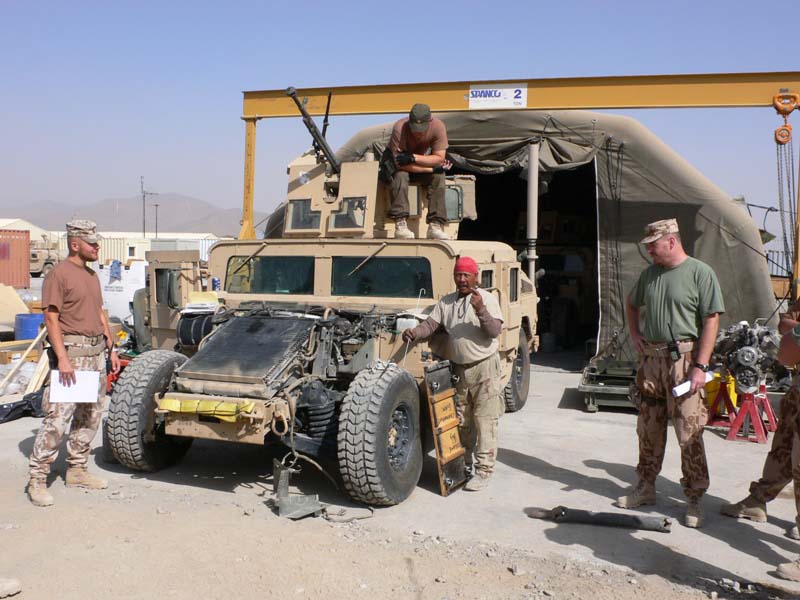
x=401 y=230
x=37 y=492
x=790 y=571
x=478 y=482
x=9 y=587
x=643 y=494
x=80 y=477
x=694 y=514
x=749 y=508
x=435 y=231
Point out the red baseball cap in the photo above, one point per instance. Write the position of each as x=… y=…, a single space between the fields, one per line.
x=465 y=264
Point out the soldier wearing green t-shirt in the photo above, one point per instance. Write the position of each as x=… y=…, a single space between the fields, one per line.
x=679 y=300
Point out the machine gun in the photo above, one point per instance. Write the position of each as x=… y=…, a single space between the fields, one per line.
x=320 y=144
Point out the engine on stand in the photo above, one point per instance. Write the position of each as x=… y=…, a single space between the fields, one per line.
x=749 y=354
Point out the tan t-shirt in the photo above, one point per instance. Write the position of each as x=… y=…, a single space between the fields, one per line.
x=75 y=291
x=466 y=341
x=434 y=139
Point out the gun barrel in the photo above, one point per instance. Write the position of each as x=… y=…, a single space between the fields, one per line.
x=319 y=140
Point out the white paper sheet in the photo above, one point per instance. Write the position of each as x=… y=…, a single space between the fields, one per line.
x=682 y=388
x=83 y=390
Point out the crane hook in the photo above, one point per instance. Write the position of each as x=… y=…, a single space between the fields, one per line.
x=784 y=103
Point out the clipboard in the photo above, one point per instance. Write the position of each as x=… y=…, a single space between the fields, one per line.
x=84 y=390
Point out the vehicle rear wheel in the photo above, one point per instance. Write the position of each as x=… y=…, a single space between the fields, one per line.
x=46 y=269
x=378 y=443
x=135 y=436
x=515 y=393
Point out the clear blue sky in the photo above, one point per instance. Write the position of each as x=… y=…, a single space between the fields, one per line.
x=95 y=94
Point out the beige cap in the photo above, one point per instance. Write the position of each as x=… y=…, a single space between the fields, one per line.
x=81 y=228
x=658 y=229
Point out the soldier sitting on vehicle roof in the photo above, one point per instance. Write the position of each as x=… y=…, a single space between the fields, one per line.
x=416 y=153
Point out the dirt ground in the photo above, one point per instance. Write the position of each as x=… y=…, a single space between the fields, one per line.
x=206 y=528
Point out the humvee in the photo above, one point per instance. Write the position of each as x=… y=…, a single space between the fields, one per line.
x=304 y=346
x=44 y=256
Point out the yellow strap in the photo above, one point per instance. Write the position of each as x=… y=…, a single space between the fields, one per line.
x=222 y=410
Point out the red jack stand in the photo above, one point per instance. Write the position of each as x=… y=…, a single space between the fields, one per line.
x=752 y=410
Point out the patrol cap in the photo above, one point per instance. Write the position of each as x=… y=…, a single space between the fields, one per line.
x=419 y=118
x=658 y=229
x=81 y=228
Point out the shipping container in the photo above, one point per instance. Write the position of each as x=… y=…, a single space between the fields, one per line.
x=15 y=248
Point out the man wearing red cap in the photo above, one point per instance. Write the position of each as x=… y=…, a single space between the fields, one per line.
x=472 y=319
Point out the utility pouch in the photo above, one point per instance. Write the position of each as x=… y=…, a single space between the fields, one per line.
x=387 y=167
x=674 y=352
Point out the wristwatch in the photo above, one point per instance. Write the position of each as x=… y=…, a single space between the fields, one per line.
x=702 y=367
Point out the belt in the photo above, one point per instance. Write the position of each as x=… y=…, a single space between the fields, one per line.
x=83 y=340
x=662 y=349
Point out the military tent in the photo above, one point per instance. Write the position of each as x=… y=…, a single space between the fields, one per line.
x=602 y=178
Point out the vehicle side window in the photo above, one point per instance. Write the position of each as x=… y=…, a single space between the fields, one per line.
x=513 y=284
x=487 y=279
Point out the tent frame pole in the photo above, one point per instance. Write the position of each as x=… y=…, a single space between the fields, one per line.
x=533 y=205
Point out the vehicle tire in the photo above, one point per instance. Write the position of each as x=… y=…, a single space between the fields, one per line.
x=46 y=269
x=135 y=436
x=515 y=393
x=379 y=449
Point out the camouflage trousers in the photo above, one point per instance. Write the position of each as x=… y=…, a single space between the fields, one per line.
x=83 y=420
x=479 y=405
x=783 y=461
x=656 y=377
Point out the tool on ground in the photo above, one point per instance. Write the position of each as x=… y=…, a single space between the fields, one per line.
x=294 y=506
x=441 y=397
x=562 y=514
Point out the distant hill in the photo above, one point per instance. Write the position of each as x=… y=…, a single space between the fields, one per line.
x=175 y=213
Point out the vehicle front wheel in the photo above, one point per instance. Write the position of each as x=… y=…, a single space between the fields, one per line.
x=379 y=449
x=515 y=393
x=135 y=436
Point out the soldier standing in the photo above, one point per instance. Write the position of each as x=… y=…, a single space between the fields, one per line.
x=783 y=460
x=682 y=302
x=777 y=471
x=418 y=148
x=79 y=339
x=473 y=321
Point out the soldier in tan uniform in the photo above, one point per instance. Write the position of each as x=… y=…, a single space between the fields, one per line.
x=777 y=471
x=784 y=458
x=79 y=339
x=681 y=301
x=472 y=319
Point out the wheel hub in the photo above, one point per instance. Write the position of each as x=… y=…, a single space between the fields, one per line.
x=398 y=442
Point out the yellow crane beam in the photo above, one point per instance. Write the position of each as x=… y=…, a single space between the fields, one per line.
x=637 y=91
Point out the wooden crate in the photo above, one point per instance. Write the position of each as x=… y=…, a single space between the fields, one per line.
x=12 y=355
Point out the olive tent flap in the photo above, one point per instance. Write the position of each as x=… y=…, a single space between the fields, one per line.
x=639 y=180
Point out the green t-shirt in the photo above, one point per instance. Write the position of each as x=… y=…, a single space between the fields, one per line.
x=681 y=297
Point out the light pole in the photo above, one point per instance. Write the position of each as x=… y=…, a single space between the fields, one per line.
x=156 y=205
x=144 y=205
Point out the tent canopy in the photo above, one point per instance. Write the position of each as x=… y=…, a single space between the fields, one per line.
x=639 y=180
